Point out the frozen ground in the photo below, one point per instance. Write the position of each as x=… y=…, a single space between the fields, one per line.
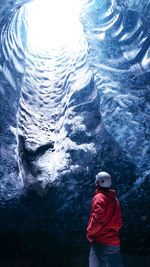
x=69 y=256
x=129 y=260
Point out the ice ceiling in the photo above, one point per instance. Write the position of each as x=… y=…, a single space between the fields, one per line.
x=52 y=50
x=74 y=85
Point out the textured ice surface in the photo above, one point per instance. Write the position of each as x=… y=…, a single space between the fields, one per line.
x=76 y=110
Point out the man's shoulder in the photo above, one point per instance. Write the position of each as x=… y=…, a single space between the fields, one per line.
x=99 y=197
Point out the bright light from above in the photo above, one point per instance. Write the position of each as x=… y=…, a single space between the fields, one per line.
x=52 y=23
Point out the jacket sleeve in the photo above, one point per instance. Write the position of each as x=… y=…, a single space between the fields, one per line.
x=97 y=217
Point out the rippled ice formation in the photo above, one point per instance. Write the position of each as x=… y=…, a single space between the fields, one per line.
x=122 y=74
x=75 y=109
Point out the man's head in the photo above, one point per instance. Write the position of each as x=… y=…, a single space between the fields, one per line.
x=103 y=179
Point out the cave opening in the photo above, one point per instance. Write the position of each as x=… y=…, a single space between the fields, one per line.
x=69 y=108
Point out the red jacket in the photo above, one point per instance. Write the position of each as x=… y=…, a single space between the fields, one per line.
x=105 y=220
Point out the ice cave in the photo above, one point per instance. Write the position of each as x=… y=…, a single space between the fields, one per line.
x=74 y=100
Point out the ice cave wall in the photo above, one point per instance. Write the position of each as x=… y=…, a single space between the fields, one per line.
x=95 y=117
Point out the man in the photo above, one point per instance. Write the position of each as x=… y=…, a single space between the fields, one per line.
x=104 y=224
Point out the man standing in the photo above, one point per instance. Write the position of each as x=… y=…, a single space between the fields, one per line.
x=104 y=224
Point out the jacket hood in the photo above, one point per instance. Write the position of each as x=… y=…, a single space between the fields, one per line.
x=109 y=192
